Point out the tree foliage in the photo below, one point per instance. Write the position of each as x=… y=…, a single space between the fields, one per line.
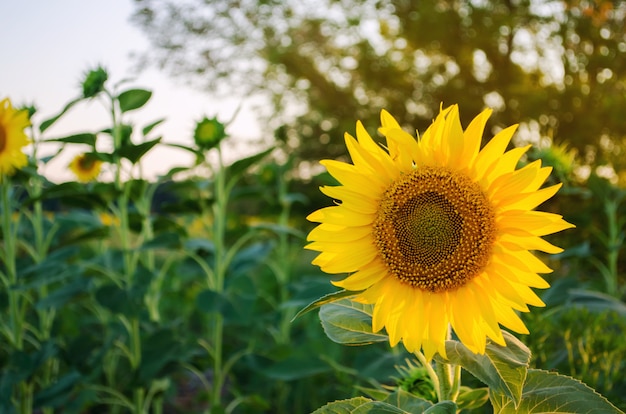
x=558 y=68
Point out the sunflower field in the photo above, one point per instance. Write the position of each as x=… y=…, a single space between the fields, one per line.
x=357 y=263
x=195 y=294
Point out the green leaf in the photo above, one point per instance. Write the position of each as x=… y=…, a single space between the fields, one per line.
x=146 y=130
x=470 y=399
x=596 y=301
x=114 y=298
x=236 y=169
x=83 y=138
x=48 y=122
x=502 y=369
x=378 y=407
x=408 y=402
x=549 y=392
x=133 y=99
x=133 y=153
x=296 y=367
x=349 y=323
x=167 y=240
x=57 y=298
x=343 y=406
x=209 y=301
x=442 y=407
x=330 y=298
x=59 y=392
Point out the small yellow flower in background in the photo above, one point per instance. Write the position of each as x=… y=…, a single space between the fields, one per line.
x=12 y=137
x=108 y=219
x=86 y=167
x=437 y=233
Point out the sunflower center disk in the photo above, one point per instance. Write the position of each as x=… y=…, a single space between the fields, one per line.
x=435 y=229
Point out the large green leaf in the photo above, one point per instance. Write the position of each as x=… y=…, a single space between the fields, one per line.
x=502 y=369
x=133 y=99
x=350 y=323
x=549 y=392
x=329 y=298
x=408 y=402
x=380 y=407
x=343 y=406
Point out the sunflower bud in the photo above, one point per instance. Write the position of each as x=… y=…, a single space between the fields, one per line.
x=209 y=133
x=94 y=82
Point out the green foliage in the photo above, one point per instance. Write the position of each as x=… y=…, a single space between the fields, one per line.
x=550 y=392
x=555 y=67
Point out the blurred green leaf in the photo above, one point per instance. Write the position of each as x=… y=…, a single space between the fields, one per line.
x=87 y=138
x=549 y=392
x=296 y=367
x=48 y=122
x=596 y=301
x=146 y=130
x=59 y=392
x=236 y=169
x=133 y=99
x=166 y=240
x=160 y=351
x=60 y=296
x=114 y=298
x=502 y=369
x=349 y=323
x=250 y=257
x=133 y=152
x=209 y=301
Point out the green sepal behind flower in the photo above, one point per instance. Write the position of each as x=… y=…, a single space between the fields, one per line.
x=209 y=133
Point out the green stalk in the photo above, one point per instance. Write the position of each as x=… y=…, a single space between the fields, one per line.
x=431 y=373
x=129 y=268
x=9 y=263
x=25 y=390
x=613 y=246
x=219 y=231
x=46 y=316
x=283 y=252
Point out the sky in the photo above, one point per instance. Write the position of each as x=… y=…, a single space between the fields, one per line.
x=49 y=45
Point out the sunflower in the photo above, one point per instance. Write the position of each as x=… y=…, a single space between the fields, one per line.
x=436 y=233
x=12 y=137
x=86 y=167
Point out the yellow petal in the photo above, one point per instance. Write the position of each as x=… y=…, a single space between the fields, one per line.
x=363 y=278
x=473 y=137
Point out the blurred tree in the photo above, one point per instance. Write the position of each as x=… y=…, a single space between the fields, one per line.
x=556 y=67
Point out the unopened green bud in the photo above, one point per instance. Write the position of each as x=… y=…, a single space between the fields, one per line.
x=209 y=133
x=94 y=82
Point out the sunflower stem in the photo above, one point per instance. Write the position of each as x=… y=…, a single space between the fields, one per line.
x=431 y=372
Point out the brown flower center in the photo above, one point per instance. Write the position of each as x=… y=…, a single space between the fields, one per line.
x=86 y=163
x=435 y=229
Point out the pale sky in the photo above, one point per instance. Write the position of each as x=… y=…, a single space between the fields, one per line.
x=48 y=45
